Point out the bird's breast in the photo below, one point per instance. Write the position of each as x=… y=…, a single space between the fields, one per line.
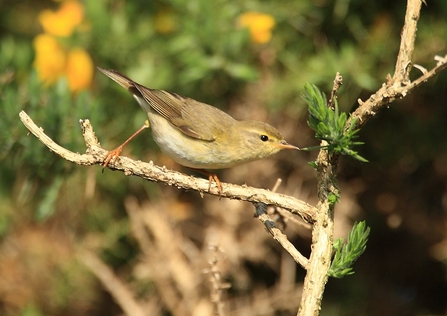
x=188 y=151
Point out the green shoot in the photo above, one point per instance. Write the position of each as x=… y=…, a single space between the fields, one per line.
x=329 y=124
x=347 y=254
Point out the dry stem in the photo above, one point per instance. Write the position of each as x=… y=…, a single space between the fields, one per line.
x=120 y=292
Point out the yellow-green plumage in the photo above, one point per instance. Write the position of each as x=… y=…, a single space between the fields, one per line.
x=198 y=135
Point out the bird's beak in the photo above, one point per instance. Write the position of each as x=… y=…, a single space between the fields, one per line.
x=285 y=145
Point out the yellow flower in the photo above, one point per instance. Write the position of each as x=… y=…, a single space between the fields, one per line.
x=63 y=21
x=259 y=24
x=52 y=61
x=79 y=69
x=50 y=58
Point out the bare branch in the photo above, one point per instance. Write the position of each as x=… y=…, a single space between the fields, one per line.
x=261 y=214
x=322 y=233
x=338 y=81
x=390 y=92
x=215 y=277
x=95 y=155
x=398 y=86
x=408 y=37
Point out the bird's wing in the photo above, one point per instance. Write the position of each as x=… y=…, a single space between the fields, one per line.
x=195 y=119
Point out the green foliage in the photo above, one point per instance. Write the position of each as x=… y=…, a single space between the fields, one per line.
x=333 y=198
x=347 y=254
x=193 y=48
x=329 y=124
x=58 y=112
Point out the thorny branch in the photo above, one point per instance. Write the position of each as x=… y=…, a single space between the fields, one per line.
x=392 y=90
x=397 y=86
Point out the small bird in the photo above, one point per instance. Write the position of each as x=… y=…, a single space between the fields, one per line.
x=197 y=135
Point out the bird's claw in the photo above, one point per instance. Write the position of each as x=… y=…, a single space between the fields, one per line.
x=213 y=177
x=111 y=156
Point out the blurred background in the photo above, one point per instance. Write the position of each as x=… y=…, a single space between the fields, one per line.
x=68 y=233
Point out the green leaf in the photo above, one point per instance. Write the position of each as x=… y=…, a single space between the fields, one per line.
x=329 y=124
x=345 y=255
x=333 y=198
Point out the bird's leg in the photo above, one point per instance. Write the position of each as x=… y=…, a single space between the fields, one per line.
x=113 y=154
x=211 y=177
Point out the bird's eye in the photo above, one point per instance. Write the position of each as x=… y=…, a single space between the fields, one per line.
x=264 y=138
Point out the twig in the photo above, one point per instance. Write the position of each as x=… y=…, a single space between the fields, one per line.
x=391 y=91
x=284 y=215
x=215 y=278
x=398 y=86
x=161 y=245
x=277 y=184
x=95 y=155
x=338 y=81
x=261 y=214
x=279 y=219
x=118 y=289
